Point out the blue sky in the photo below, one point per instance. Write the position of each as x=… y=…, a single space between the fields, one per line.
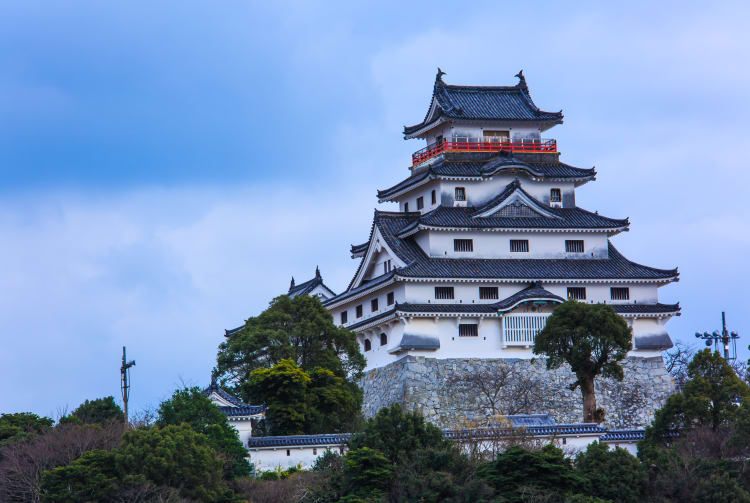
x=164 y=169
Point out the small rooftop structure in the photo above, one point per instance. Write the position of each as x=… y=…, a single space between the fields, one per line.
x=314 y=286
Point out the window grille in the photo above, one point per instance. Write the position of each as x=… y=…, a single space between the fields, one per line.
x=368 y=345
x=619 y=293
x=406 y=207
x=443 y=292
x=555 y=195
x=463 y=245
x=420 y=202
x=434 y=197
x=468 y=330
x=488 y=292
x=344 y=316
x=389 y=298
x=574 y=245
x=359 y=311
x=383 y=339
x=287 y=452
x=577 y=292
x=519 y=245
x=374 y=305
x=387 y=266
x=516 y=209
x=460 y=194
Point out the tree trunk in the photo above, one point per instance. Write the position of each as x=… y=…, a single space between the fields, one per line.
x=589 y=400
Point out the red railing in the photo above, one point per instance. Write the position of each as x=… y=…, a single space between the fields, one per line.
x=485 y=144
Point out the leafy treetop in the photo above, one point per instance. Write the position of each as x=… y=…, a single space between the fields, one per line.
x=99 y=411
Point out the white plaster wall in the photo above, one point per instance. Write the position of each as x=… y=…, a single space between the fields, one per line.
x=379 y=355
x=268 y=459
x=381 y=294
x=630 y=446
x=244 y=429
x=497 y=245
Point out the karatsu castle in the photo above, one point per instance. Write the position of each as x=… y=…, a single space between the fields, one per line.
x=488 y=238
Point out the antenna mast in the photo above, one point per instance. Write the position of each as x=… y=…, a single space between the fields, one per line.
x=125 y=381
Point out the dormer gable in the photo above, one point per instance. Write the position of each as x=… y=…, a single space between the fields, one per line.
x=513 y=201
x=377 y=260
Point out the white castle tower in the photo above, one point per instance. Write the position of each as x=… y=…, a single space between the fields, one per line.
x=487 y=240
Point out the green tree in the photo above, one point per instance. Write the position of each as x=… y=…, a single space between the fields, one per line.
x=283 y=390
x=367 y=474
x=614 y=475
x=518 y=472
x=335 y=404
x=592 y=338
x=300 y=329
x=190 y=406
x=398 y=434
x=709 y=398
x=21 y=426
x=99 y=411
x=174 y=457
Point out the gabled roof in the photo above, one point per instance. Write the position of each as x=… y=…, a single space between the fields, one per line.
x=295 y=440
x=495 y=103
x=533 y=292
x=308 y=286
x=446 y=168
x=237 y=407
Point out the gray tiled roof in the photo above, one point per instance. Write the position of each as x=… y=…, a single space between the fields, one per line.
x=238 y=408
x=615 y=435
x=484 y=103
x=415 y=341
x=489 y=167
x=660 y=341
x=308 y=286
x=532 y=292
x=646 y=308
x=246 y=410
x=300 y=440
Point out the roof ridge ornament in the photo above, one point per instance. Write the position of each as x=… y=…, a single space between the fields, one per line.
x=439 y=77
x=291 y=285
x=317 y=272
x=521 y=79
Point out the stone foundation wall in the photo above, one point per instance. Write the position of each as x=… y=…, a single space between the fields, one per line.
x=439 y=390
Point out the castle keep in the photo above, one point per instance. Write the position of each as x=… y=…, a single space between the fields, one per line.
x=486 y=240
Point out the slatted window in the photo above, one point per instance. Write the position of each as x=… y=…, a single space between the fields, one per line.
x=434 y=197
x=368 y=345
x=516 y=209
x=555 y=195
x=519 y=245
x=468 y=330
x=387 y=266
x=344 y=317
x=463 y=245
x=574 y=245
x=420 y=202
x=488 y=292
x=359 y=311
x=577 y=292
x=383 y=339
x=389 y=298
x=619 y=293
x=460 y=193
x=443 y=292
x=374 y=305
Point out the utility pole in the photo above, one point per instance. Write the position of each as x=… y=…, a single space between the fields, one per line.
x=725 y=337
x=125 y=382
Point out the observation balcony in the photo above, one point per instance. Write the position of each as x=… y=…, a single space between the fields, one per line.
x=521 y=329
x=483 y=144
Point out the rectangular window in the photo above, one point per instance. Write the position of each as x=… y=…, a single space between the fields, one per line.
x=359 y=311
x=574 y=245
x=420 y=202
x=463 y=245
x=468 y=330
x=555 y=195
x=344 y=316
x=374 y=305
x=460 y=194
x=488 y=292
x=619 y=293
x=577 y=292
x=315 y=451
x=443 y=292
x=406 y=207
x=387 y=266
x=389 y=298
x=434 y=197
x=519 y=245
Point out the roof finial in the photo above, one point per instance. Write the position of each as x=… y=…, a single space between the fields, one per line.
x=213 y=382
x=440 y=74
x=521 y=79
x=291 y=285
x=317 y=272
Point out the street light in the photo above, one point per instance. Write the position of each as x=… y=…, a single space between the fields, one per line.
x=725 y=337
